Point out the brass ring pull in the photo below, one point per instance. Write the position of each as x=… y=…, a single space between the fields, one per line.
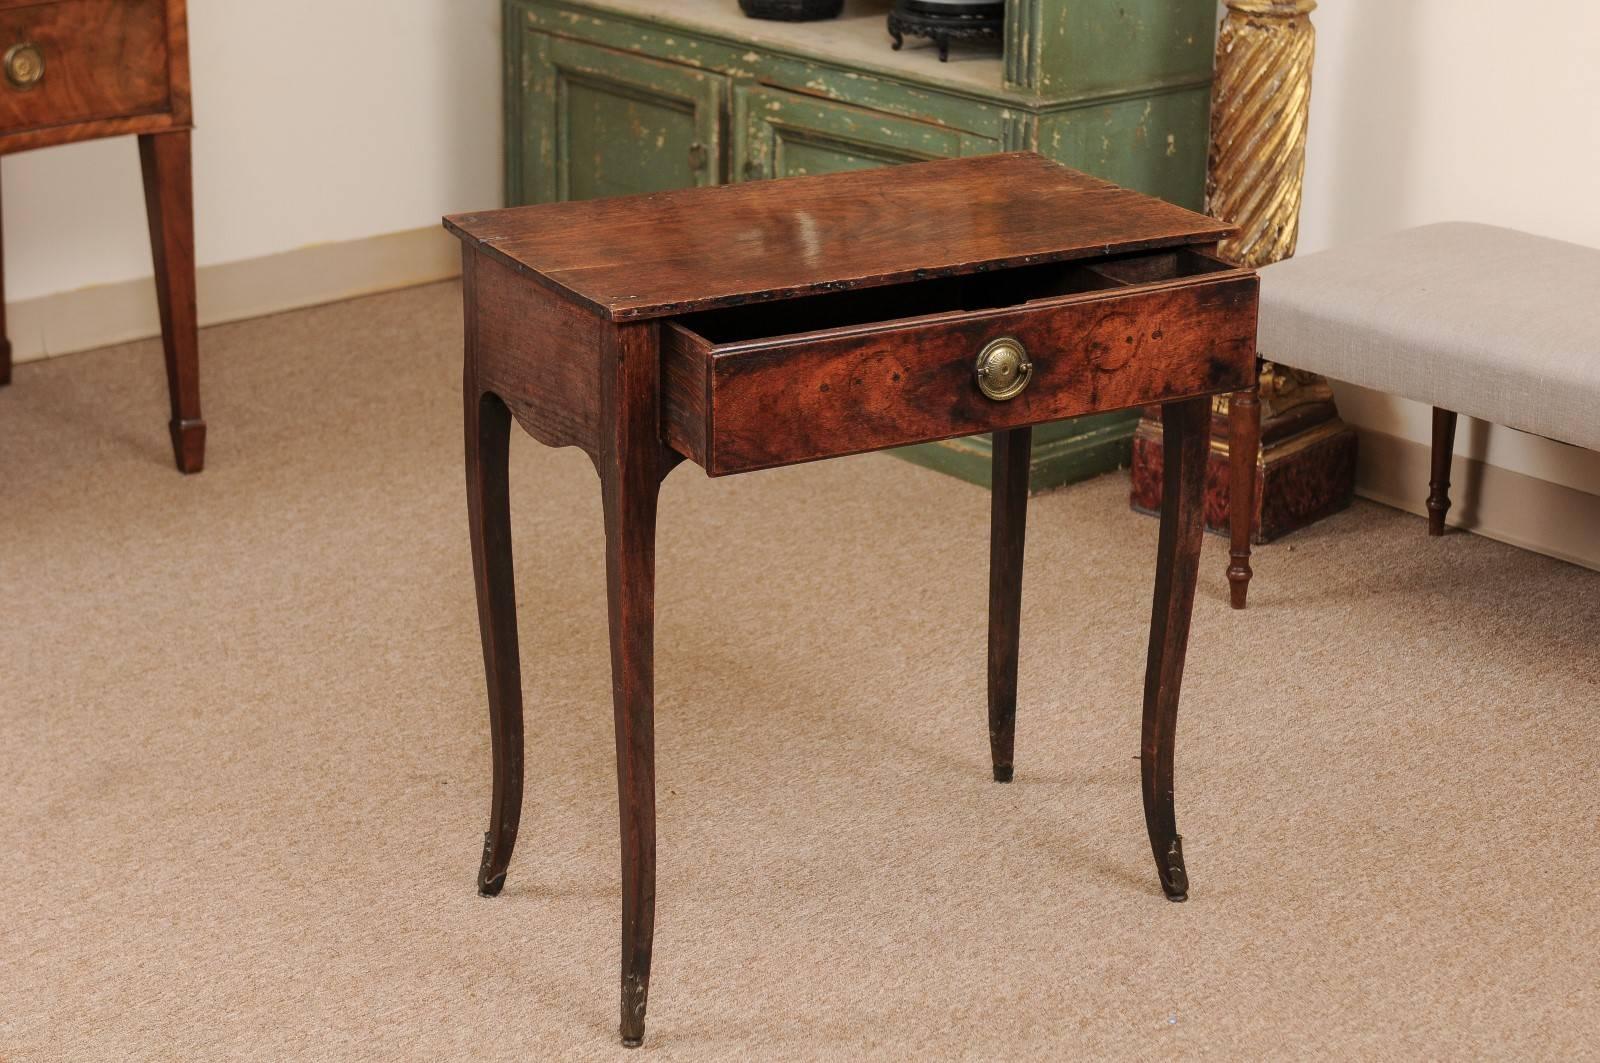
x=24 y=65
x=1003 y=369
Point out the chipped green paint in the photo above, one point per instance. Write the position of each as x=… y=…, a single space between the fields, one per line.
x=1156 y=144
x=786 y=134
x=602 y=123
x=633 y=102
x=1076 y=49
x=742 y=59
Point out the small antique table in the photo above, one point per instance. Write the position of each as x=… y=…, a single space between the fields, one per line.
x=758 y=325
x=82 y=69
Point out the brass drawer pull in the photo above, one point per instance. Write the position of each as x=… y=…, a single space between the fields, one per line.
x=24 y=65
x=1003 y=369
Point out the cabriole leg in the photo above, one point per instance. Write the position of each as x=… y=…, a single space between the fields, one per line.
x=1186 y=433
x=488 y=437
x=631 y=465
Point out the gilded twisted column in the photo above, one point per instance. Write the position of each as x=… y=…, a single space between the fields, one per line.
x=1282 y=448
x=1260 y=106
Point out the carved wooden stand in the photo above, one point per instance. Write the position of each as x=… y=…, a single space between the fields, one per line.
x=945 y=23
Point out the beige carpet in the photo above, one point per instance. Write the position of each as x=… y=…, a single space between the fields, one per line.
x=246 y=755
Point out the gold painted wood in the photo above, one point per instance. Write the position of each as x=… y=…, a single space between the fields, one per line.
x=1304 y=455
x=1260 y=107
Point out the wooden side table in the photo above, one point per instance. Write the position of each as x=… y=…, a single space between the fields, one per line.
x=80 y=69
x=760 y=325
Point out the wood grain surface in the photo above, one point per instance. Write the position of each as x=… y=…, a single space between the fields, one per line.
x=102 y=59
x=677 y=252
x=761 y=404
x=540 y=354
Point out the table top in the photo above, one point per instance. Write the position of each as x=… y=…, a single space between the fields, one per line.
x=669 y=253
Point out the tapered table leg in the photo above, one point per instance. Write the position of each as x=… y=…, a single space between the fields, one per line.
x=631 y=467
x=488 y=432
x=1007 y=531
x=169 y=202
x=5 y=340
x=1244 y=444
x=1187 y=433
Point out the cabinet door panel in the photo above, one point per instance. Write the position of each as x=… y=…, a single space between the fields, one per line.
x=786 y=134
x=605 y=123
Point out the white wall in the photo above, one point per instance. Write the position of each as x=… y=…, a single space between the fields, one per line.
x=1434 y=110
x=1479 y=110
x=318 y=121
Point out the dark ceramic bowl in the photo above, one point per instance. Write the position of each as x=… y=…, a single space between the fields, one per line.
x=792 y=10
x=956 y=8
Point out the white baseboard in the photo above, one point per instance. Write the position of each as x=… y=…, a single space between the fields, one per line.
x=119 y=313
x=1512 y=507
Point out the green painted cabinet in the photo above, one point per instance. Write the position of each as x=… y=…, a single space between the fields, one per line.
x=611 y=97
x=778 y=133
x=601 y=122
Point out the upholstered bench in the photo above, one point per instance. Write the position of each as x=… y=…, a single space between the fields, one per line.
x=1472 y=319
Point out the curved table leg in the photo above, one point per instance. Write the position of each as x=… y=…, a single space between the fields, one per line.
x=488 y=437
x=1186 y=439
x=1007 y=531
x=631 y=466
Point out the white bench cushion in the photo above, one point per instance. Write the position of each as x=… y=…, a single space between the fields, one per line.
x=1491 y=323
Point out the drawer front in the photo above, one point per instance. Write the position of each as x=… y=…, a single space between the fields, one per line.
x=798 y=398
x=81 y=60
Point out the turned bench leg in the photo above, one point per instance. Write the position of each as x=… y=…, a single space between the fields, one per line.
x=169 y=202
x=1186 y=433
x=1444 y=444
x=1007 y=530
x=1244 y=444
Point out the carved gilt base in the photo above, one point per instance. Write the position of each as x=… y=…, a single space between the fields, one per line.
x=1305 y=471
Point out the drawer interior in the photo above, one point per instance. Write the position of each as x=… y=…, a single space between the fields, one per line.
x=977 y=291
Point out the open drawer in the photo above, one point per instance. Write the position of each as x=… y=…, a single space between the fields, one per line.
x=777 y=383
